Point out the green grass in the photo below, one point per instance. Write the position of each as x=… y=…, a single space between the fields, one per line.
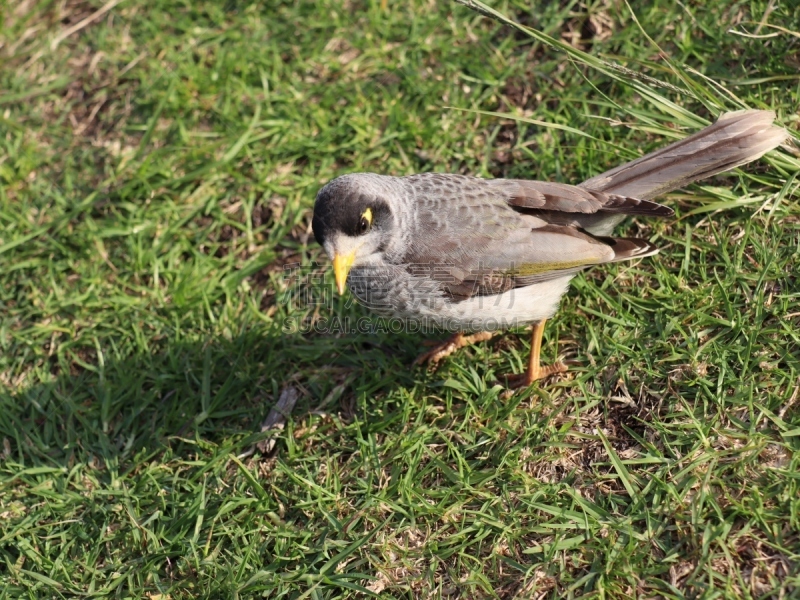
x=157 y=173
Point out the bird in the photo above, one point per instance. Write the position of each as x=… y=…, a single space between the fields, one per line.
x=473 y=256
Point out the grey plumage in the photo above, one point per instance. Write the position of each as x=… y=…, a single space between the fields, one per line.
x=470 y=254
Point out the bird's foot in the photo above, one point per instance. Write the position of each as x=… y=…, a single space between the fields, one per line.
x=450 y=345
x=523 y=380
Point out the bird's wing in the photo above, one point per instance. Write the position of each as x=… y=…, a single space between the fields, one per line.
x=563 y=204
x=480 y=242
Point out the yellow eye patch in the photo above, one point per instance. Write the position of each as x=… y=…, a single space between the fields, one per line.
x=367 y=214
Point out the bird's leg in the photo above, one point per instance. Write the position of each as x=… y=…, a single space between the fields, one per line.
x=535 y=369
x=450 y=345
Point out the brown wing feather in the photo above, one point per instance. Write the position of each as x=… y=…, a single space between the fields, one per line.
x=528 y=196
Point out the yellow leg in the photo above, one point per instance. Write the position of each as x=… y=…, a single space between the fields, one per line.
x=535 y=369
x=453 y=343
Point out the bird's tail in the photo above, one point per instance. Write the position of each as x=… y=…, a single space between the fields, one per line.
x=735 y=139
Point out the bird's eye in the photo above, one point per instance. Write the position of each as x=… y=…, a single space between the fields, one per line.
x=366 y=221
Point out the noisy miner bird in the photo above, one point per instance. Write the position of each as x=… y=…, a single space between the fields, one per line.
x=471 y=256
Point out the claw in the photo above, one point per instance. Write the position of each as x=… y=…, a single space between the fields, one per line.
x=535 y=370
x=523 y=380
x=450 y=345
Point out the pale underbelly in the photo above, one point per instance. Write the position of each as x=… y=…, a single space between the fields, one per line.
x=422 y=303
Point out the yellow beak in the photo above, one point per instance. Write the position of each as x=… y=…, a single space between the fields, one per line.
x=341 y=267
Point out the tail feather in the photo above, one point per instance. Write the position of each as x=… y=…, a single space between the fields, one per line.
x=735 y=139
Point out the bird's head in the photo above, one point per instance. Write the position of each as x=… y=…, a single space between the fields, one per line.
x=352 y=222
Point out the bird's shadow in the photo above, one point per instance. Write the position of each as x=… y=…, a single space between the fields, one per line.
x=119 y=410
